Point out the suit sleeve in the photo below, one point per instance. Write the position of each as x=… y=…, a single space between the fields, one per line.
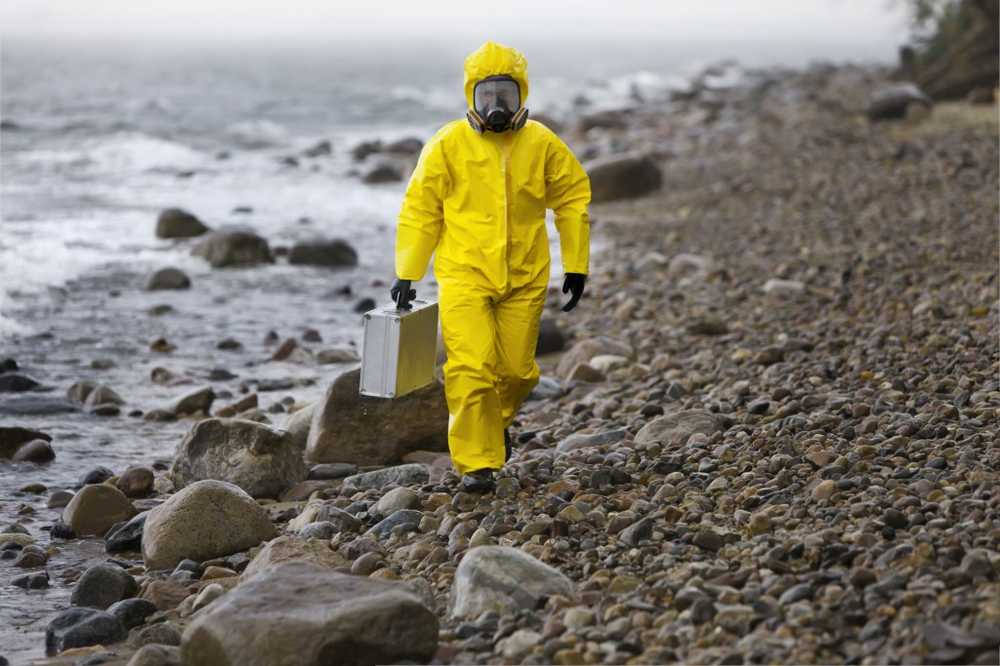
x=422 y=213
x=568 y=194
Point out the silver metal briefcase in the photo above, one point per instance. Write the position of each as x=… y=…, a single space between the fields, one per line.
x=399 y=349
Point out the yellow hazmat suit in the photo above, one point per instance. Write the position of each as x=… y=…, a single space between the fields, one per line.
x=478 y=201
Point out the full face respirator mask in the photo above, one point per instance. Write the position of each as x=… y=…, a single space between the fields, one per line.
x=497 y=105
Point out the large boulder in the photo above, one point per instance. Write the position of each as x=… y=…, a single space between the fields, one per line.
x=288 y=548
x=262 y=461
x=205 y=520
x=893 y=102
x=178 y=223
x=503 y=580
x=13 y=437
x=303 y=614
x=335 y=253
x=349 y=427
x=677 y=427
x=623 y=177
x=97 y=507
x=234 y=247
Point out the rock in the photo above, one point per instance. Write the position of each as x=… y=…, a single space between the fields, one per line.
x=196 y=402
x=546 y=389
x=364 y=305
x=408 y=146
x=400 y=475
x=550 y=337
x=126 y=536
x=584 y=350
x=59 y=499
x=708 y=540
x=332 y=471
x=14 y=383
x=623 y=177
x=349 y=427
x=783 y=288
x=95 y=508
x=325 y=511
x=518 y=643
x=233 y=248
x=396 y=499
x=824 y=490
x=208 y=594
x=13 y=437
x=364 y=149
x=168 y=279
x=584 y=372
x=136 y=481
x=36 y=451
x=893 y=102
x=15 y=535
x=318 y=530
x=132 y=612
x=284 y=351
x=166 y=594
x=80 y=627
x=102 y=395
x=503 y=580
x=675 y=428
x=343 y=619
x=32 y=581
x=383 y=172
x=707 y=325
x=31 y=556
x=976 y=564
x=303 y=490
x=367 y=564
x=262 y=461
x=605 y=363
x=98 y=474
x=334 y=253
x=156 y=655
x=288 y=548
x=178 y=223
x=102 y=585
x=331 y=356
x=159 y=633
x=637 y=531
x=319 y=149
x=298 y=425
x=404 y=520
x=583 y=440
x=204 y=520
x=8 y=365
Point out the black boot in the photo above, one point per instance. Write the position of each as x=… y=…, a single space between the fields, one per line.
x=506 y=445
x=479 y=481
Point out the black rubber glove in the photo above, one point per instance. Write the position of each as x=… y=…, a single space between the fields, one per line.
x=574 y=285
x=402 y=294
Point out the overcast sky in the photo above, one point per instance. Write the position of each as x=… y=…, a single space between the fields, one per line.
x=862 y=22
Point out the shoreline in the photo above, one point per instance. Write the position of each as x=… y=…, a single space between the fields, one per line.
x=792 y=451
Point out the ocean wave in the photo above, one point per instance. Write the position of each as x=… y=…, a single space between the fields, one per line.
x=136 y=151
x=258 y=133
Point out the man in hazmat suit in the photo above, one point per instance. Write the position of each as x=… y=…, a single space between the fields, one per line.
x=477 y=201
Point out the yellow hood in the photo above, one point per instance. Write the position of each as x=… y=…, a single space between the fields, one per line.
x=492 y=59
